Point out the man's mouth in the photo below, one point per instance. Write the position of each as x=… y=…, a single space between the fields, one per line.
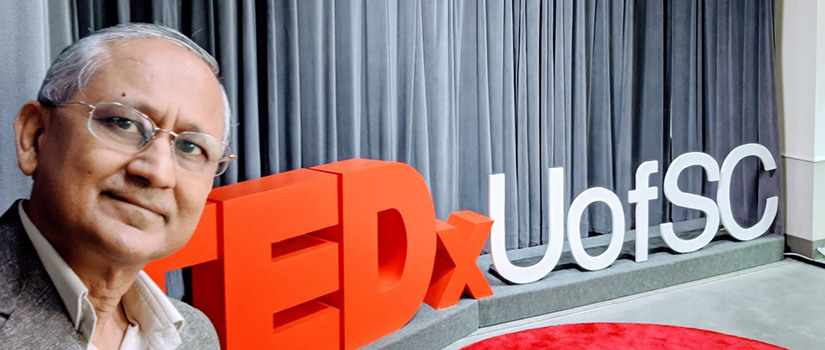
x=145 y=205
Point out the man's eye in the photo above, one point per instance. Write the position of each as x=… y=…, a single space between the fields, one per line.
x=189 y=148
x=122 y=123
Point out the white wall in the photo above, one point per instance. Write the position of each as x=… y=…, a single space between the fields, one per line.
x=800 y=68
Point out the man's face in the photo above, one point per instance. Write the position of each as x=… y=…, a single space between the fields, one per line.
x=97 y=202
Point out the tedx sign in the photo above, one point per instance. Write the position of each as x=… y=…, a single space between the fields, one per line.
x=334 y=256
x=340 y=255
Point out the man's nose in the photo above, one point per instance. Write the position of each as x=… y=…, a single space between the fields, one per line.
x=155 y=163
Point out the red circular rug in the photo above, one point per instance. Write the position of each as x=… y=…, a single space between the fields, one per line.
x=618 y=336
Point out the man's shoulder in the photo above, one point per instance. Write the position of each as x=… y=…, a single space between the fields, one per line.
x=197 y=332
x=10 y=224
x=28 y=300
x=21 y=271
x=17 y=258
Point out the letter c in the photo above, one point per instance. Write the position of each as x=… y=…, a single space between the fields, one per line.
x=723 y=194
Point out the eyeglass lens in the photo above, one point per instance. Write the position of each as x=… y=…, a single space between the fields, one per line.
x=127 y=129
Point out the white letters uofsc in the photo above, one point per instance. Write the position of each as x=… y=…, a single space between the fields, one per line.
x=643 y=194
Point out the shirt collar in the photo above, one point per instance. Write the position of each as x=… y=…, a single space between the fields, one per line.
x=145 y=304
x=149 y=307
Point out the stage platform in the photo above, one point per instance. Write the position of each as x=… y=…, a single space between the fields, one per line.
x=569 y=286
x=779 y=303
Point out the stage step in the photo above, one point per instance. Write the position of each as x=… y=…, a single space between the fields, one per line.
x=568 y=286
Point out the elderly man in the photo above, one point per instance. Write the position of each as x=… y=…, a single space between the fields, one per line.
x=124 y=140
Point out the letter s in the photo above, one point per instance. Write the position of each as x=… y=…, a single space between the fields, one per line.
x=692 y=201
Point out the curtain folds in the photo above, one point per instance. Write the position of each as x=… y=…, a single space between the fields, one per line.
x=461 y=89
x=722 y=95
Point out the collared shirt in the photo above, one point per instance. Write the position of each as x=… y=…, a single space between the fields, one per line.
x=153 y=320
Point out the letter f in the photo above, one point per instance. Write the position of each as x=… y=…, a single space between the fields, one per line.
x=641 y=196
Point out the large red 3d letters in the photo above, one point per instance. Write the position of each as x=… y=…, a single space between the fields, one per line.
x=334 y=256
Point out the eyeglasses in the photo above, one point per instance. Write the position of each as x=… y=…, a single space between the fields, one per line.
x=127 y=129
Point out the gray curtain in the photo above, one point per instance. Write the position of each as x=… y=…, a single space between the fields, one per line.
x=23 y=62
x=461 y=89
x=722 y=93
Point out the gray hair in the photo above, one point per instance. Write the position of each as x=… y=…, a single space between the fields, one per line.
x=78 y=63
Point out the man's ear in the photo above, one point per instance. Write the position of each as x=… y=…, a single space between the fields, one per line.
x=28 y=127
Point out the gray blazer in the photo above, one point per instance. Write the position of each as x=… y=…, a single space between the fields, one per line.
x=32 y=315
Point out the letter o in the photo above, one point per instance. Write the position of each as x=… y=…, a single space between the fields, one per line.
x=592 y=195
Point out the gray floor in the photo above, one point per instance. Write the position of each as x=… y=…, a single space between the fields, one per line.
x=781 y=304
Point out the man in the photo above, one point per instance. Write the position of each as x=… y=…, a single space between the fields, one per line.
x=123 y=144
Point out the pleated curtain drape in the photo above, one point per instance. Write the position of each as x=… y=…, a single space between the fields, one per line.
x=461 y=89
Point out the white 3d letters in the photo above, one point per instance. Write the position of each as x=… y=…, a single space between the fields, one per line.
x=692 y=201
x=592 y=195
x=498 y=250
x=641 y=196
x=723 y=193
